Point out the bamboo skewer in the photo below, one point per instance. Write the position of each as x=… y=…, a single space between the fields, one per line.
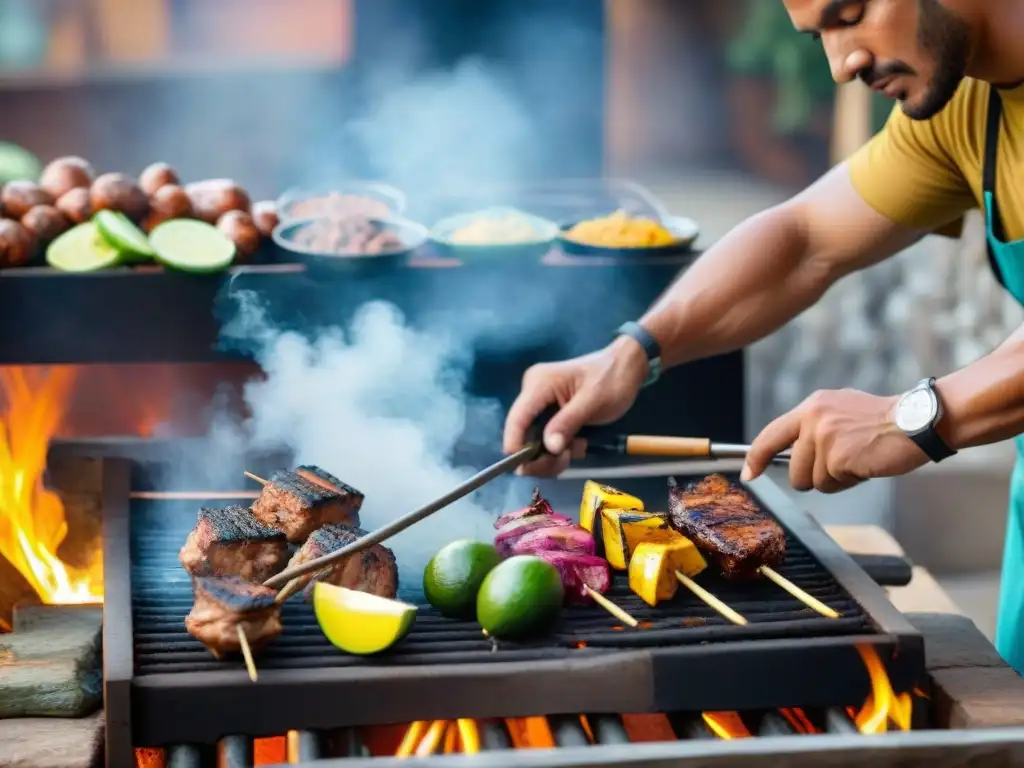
x=813 y=603
x=250 y=665
x=257 y=478
x=711 y=600
x=505 y=465
x=611 y=607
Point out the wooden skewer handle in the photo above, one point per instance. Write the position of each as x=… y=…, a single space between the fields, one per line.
x=655 y=445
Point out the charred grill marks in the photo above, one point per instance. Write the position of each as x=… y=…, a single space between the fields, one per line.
x=374 y=570
x=723 y=521
x=229 y=541
x=298 y=506
x=234 y=594
x=236 y=523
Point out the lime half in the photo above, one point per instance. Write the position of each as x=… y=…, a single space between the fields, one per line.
x=82 y=249
x=358 y=622
x=192 y=246
x=122 y=233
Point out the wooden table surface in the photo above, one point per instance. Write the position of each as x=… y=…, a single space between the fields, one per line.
x=923 y=594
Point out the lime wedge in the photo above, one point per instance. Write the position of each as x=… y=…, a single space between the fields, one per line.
x=192 y=246
x=122 y=233
x=82 y=249
x=358 y=622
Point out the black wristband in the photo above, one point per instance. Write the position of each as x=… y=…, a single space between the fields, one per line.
x=650 y=346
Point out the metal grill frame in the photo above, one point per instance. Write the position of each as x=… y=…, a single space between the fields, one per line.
x=158 y=710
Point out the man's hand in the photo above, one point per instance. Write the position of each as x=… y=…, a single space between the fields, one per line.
x=594 y=389
x=839 y=438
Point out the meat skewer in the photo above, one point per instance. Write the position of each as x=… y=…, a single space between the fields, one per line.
x=724 y=522
x=230 y=541
x=374 y=570
x=231 y=615
x=299 y=502
x=507 y=464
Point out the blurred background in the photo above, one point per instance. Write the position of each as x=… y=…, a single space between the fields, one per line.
x=715 y=105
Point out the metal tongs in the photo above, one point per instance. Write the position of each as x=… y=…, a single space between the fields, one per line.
x=587 y=442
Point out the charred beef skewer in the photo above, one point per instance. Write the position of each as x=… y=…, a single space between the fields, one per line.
x=223 y=606
x=230 y=541
x=297 y=505
x=725 y=523
x=373 y=570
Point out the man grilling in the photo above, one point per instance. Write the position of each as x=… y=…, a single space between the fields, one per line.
x=955 y=141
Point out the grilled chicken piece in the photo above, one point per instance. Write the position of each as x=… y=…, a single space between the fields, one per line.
x=231 y=542
x=373 y=570
x=223 y=605
x=298 y=506
x=726 y=524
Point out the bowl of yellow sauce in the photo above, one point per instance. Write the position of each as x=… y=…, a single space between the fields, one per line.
x=622 y=234
x=494 y=232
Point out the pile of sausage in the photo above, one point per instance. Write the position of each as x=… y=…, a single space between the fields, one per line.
x=69 y=192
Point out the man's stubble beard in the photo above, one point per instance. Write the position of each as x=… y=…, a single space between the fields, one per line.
x=946 y=38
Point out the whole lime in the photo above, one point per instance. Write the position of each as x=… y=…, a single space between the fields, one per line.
x=453 y=577
x=520 y=597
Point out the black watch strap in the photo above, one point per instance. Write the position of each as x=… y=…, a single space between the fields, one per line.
x=928 y=439
x=650 y=345
x=934 y=447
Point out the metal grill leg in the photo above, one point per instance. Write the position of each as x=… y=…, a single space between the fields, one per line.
x=235 y=752
x=304 y=746
x=568 y=731
x=608 y=729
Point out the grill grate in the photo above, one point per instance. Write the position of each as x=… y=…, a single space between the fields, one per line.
x=162 y=596
x=685 y=658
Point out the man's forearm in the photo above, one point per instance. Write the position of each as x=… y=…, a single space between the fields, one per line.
x=984 y=402
x=750 y=283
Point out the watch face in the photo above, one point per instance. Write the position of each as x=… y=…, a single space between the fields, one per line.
x=915 y=411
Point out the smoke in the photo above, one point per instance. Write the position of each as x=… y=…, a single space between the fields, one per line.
x=379 y=404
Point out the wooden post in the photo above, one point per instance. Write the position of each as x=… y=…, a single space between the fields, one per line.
x=851 y=127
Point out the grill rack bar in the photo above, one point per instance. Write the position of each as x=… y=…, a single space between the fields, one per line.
x=312 y=748
x=637 y=680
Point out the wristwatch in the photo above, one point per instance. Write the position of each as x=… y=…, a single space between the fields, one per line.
x=917 y=414
x=650 y=345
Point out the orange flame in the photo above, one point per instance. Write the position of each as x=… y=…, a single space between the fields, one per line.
x=32 y=522
x=726 y=725
x=883 y=704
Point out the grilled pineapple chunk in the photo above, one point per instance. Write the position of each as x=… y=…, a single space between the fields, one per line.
x=653 y=566
x=622 y=530
x=597 y=497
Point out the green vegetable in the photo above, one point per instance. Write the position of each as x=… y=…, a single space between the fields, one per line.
x=192 y=246
x=82 y=249
x=520 y=597
x=122 y=233
x=453 y=577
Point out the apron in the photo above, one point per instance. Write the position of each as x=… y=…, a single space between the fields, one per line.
x=1007 y=261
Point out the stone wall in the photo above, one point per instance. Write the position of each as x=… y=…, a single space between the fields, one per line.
x=932 y=309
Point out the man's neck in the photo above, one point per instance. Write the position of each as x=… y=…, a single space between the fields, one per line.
x=998 y=56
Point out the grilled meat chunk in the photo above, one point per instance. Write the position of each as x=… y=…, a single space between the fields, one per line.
x=298 y=506
x=222 y=606
x=231 y=542
x=373 y=570
x=323 y=478
x=725 y=523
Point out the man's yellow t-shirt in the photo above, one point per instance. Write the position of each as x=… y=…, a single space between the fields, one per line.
x=928 y=173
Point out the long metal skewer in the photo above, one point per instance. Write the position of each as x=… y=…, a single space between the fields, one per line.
x=508 y=464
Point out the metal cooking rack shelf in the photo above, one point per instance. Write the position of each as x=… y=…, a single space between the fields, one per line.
x=786 y=657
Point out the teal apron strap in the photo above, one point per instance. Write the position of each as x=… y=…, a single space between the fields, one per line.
x=992 y=125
